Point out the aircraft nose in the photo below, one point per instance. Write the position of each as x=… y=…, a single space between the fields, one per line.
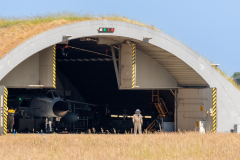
x=60 y=108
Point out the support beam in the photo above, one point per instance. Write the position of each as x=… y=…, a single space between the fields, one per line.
x=175 y=111
x=175 y=108
x=115 y=65
x=173 y=93
x=119 y=63
x=86 y=60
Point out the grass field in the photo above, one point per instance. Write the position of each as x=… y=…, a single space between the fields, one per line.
x=188 y=145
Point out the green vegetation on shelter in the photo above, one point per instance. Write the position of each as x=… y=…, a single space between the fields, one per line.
x=236 y=77
x=69 y=16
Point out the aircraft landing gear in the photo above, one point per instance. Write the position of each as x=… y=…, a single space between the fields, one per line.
x=48 y=125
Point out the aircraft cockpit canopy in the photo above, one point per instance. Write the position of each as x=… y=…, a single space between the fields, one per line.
x=52 y=94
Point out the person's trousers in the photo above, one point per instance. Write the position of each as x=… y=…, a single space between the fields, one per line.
x=137 y=127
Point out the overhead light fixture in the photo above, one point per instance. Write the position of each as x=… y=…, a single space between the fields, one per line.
x=34 y=85
x=106 y=30
x=66 y=36
x=146 y=39
x=129 y=42
x=216 y=65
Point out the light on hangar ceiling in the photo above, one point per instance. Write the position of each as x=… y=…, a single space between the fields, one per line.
x=106 y=30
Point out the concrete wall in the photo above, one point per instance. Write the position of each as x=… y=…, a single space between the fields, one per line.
x=150 y=74
x=35 y=70
x=191 y=108
x=1 y=110
x=228 y=108
x=46 y=67
x=25 y=74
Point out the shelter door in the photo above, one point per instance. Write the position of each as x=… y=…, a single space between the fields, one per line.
x=194 y=106
x=126 y=66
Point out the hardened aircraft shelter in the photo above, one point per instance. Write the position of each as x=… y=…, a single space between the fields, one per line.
x=97 y=56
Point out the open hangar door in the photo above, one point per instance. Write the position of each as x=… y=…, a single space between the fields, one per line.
x=85 y=71
x=119 y=76
x=101 y=70
x=196 y=110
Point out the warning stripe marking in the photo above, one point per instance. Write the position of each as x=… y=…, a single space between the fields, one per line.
x=5 y=113
x=133 y=65
x=214 y=103
x=54 y=66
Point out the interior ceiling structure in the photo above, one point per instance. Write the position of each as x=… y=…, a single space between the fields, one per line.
x=184 y=75
x=181 y=72
x=89 y=67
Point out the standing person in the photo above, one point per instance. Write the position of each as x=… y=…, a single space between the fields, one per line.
x=137 y=122
x=10 y=120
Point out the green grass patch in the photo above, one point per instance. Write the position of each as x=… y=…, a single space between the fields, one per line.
x=230 y=79
x=68 y=16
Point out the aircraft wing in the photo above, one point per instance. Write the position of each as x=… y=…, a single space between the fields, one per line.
x=44 y=99
x=11 y=100
x=80 y=102
x=15 y=99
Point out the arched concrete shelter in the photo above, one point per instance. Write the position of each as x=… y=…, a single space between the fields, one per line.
x=175 y=65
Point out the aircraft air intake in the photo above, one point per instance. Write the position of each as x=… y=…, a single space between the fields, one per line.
x=60 y=108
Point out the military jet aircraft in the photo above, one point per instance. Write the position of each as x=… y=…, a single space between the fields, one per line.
x=48 y=104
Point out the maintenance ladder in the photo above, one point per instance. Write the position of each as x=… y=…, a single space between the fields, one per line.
x=161 y=108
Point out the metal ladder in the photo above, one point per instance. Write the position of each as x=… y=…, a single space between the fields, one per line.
x=161 y=108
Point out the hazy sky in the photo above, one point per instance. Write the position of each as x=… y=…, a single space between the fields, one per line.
x=210 y=27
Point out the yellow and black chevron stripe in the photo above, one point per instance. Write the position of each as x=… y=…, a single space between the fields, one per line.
x=54 y=66
x=214 y=105
x=5 y=112
x=133 y=65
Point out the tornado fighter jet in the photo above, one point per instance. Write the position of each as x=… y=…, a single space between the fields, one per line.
x=48 y=104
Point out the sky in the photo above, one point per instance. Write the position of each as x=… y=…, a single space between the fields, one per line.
x=209 y=27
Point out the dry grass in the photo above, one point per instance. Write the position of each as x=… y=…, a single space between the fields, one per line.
x=95 y=147
x=230 y=79
x=14 y=31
